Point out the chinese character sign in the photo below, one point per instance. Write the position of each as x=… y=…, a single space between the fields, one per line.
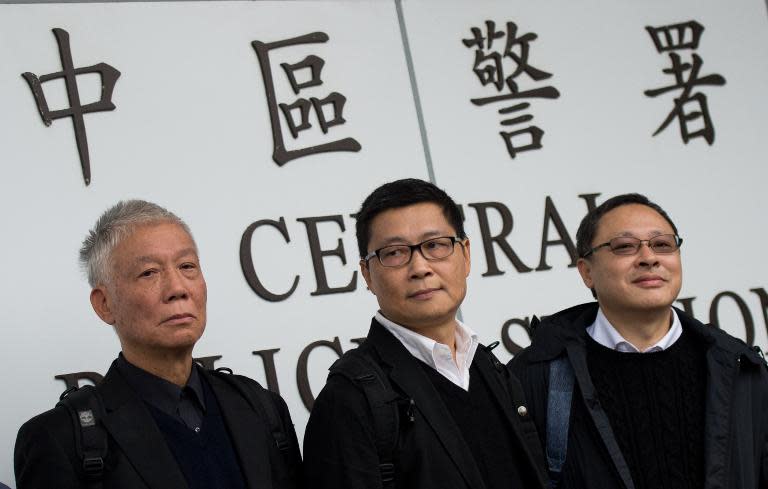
x=690 y=106
x=501 y=57
x=76 y=110
x=297 y=112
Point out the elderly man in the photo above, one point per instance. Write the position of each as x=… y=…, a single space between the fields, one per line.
x=157 y=420
x=630 y=392
x=421 y=404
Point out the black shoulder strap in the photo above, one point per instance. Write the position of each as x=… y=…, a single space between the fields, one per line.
x=369 y=377
x=559 y=398
x=260 y=401
x=87 y=410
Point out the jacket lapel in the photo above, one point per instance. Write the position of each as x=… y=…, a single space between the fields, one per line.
x=250 y=438
x=408 y=376
x=504 y=400
x=128 y=421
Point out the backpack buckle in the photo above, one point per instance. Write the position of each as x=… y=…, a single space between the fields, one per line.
x=387 y=472
x=93 y=467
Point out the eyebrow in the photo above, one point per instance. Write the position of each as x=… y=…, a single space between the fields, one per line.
x=653 y=233
x=422 y=237
x=151 y=259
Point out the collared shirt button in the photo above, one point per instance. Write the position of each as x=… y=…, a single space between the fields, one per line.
x=197 y=429
x=522 y=411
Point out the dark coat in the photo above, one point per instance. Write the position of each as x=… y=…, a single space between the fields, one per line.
x=339 y=443
x=138 y=456
x=736 y=411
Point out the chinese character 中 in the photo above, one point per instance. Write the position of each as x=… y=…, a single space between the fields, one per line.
x=302 y=105
x=76 y=110
x=492 y=68
x=690 y=109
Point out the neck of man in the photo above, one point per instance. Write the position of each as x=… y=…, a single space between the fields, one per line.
x=444 y=334
x=173 y=366
x=641 y=328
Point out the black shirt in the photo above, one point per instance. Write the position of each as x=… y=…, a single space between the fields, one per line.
x=186 y=404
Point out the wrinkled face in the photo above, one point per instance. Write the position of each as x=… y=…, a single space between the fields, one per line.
x=421 y=294
x=628 y=284
x=157 y=295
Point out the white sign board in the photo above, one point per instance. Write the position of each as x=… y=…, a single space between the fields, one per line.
x=265 y=124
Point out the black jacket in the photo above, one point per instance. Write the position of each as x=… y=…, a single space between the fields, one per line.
x=138 y=456
x=340 y=445
x=736 y=411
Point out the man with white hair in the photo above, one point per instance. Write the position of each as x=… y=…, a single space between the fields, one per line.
x=157 y=420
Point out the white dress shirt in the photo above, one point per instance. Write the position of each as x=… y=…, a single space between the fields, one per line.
x=438 y=355
x=604 y=333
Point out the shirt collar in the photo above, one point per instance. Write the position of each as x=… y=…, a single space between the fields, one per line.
x=433 y=353
x=158 y=392
x=603 y=332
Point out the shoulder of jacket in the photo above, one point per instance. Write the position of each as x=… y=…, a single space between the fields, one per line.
x=551 y=334
x=566 y=316
x=357 y=363
x=242 y=380
x=53 y=418
x=723 y=341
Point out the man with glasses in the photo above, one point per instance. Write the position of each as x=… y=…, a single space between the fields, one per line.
x=629 y=392
x=421 y=404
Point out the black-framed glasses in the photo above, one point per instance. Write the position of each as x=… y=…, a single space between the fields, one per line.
x=628 y=245
x=398 y=255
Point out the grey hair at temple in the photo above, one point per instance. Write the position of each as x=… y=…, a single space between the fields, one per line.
x=114 y=225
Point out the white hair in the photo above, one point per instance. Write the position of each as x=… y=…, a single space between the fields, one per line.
x=118 y=222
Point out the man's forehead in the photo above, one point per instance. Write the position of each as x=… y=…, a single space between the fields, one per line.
x=148 y=241
x=627 y=219
x=414 y=222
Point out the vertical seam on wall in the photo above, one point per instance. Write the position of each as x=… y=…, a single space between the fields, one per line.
x=417 y=103
x=415 y=90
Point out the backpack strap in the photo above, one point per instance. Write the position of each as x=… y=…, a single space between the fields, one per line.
x=87 y=410
x=382 y=400
x=260 y=401
x=558 y=415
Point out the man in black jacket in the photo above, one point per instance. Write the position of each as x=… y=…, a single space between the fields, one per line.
x=420 y=404
x=157 y=420
x=632 y=393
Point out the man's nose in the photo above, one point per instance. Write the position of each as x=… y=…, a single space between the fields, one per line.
x=646 y=255
x=176 y=286
x=419 y=266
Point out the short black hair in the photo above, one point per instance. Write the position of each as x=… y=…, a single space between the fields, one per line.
x=403 y=193
x=588 y=226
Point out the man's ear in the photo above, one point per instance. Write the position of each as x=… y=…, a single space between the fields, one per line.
x=467 y=258
x=101 y=304
x=585 y=270
x=366 y=273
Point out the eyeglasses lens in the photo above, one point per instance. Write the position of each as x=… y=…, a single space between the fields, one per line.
x=627 y=245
